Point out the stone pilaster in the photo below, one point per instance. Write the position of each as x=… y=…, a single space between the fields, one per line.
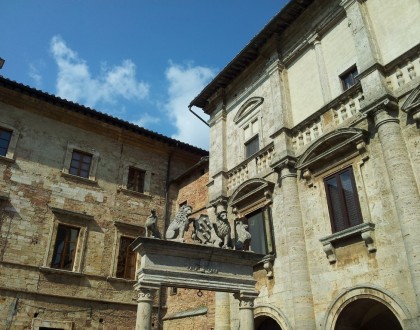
x=315 y=40
x=403 y=183
x=372 y=80
x=217 y=163
x=246 y=309
x=222 y=311
x=144 y=307
x=301 y=286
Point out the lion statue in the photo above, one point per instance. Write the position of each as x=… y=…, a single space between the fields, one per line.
x=243 y=237
x=179 y=224
x=151 y=225
x=222 y=230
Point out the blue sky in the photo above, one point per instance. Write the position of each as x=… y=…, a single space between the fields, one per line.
x=141 y=61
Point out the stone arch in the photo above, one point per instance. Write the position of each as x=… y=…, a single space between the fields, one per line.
x=336 y=143
x=273 y=313
x=251 y=192
x=348 y=296
x=249 y=106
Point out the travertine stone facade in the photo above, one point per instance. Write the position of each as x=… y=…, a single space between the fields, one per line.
x=40 y=195
x=331 y=91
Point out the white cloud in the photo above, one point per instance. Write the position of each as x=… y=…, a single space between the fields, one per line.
x=146 y=120
x=35 y=72
x=75 y=82
x=185 y=82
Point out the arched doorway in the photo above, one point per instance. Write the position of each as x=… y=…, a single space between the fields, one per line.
x=367 y=314
x=266 y=323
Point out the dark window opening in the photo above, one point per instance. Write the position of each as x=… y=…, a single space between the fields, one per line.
x=65 y=247
x=252 y=146
x=259 y=226
x=80 y=164
x=135 y=180
x=173 y=291
x=126 y=265
x=348 y=78
x=343 y=201
x=5 y=137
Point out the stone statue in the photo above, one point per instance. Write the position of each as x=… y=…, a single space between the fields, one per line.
x=151 y=225
x=179 y=225
x=243 y=237
x=222 y=229
x=202 y=230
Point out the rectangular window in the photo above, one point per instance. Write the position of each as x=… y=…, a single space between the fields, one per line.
x=5 y=137
x=126 y=265
x=65 y=247
x=80 y=164
x=259 y=226
x=348 y=78
x=135 y=181
x=252 y=146
x=343 y=202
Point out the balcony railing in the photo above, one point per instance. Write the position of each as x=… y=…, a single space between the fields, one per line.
x=252 y=167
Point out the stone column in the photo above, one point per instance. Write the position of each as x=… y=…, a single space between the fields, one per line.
x=144 y=307
x=222 y=311
x=304 y=316
x=246 y=309
x=403 y=184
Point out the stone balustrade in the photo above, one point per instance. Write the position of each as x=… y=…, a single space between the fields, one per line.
x=309 y=133
x=263 y=159
x=251 y=167
x=348 y=106
x=237 y=175
x=401 y=73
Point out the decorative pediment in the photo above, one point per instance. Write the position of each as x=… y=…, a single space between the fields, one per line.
x=331 y=146
x=413 y=101
x=412 y=104
x=251 y=195
x=250 y=105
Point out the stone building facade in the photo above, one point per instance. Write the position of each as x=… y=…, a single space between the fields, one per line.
x=77 y=187
x=314 y=144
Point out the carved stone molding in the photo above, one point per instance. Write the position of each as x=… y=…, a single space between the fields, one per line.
x=411 y=106
x=341 y=143
x=145 y=294
x=364 y=230
x=246 y=299
x=249 y=106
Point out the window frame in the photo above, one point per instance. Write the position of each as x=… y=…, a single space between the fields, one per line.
x=126 y=254
x=124 y=173
x=253 y=136
x=351 y=73
x=128 y=230
x=66 y=245
x=11 y=148
x=267 y=230
x=93 y=165
x=83 y=155
x=143 y=179
x=248 y=143
x=343 y=204
x=70 y=219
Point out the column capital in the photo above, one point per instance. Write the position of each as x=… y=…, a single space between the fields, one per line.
x=286 y=166
x=145 y=293
x=246 y=299
x=384 y=111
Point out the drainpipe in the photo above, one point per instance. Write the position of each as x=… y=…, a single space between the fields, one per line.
x=166 y=222
x=189 y=108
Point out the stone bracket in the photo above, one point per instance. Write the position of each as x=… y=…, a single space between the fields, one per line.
x=364 y=230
